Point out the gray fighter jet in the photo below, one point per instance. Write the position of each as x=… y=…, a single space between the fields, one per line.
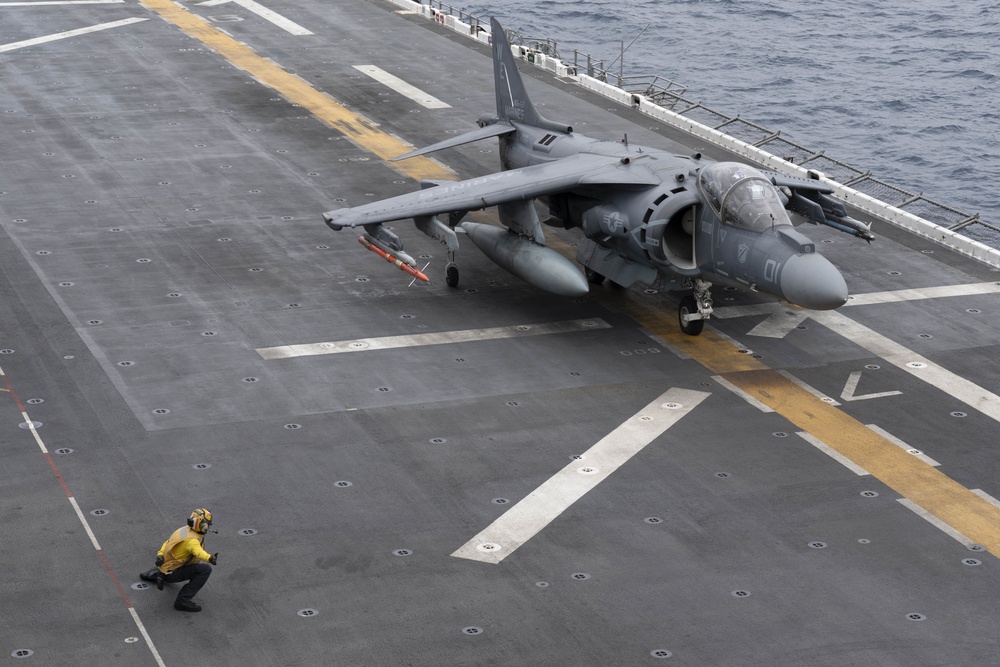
x=648 y=216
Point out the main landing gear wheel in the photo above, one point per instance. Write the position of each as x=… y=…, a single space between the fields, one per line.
x=593 y=277
x=689 y=307
x=451 y=274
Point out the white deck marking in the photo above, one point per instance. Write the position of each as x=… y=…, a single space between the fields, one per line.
x=917 y=294
x=86 y=525
x=145 y=635
x=852 y=386
x=933 y=520
x=416 y=340
x=13 y=46
x=987 y=497
x=780 y=323
x=812 y=390
x=403 y=88
x=952 y=384
x=902 y=445
x=735 y=343
x=832 y=453
x=667 y=346
x=90 y=532
x=263 y=12
x=729 y=312
x=34 y=432
x=742 y=394
x=540 y=507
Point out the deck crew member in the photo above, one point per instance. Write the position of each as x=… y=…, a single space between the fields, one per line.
x=183 y=558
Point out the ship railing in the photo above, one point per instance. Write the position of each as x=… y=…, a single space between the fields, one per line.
x=659 y=90
x=655 y=92
x=594 y=68
x=544 y=45
x=475 y=21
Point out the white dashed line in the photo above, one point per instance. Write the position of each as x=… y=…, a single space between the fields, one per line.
x=442 y=338
x=403 y=88
x=88 y=529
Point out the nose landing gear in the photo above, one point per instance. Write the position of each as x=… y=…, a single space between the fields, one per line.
x=695 y=308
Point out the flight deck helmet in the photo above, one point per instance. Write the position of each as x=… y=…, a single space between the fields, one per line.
x=200 y=520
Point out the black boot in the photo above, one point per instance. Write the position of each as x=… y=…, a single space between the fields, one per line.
x=186 y=606
x=154 y=576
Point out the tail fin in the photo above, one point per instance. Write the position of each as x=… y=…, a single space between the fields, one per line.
x=513 y=103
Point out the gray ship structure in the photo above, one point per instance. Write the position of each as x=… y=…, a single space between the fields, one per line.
x=520 y=467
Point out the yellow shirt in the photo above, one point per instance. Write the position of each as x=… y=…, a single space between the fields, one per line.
x=182 y=548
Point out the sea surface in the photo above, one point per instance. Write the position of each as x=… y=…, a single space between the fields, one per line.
x=908 y=89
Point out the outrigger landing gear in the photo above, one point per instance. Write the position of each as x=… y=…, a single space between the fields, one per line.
x=695 y=308
x=451 y=270
x=437 y=230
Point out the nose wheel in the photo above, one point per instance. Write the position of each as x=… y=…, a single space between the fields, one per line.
x=695 y=308
x=688 y=310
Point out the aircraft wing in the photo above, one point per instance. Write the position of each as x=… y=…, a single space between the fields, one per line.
x=515 y=185
x=498 y=130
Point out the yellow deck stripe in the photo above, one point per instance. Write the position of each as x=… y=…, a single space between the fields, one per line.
x=904 y=473
x=709 y=349
x=907 y=475
x=354 y=126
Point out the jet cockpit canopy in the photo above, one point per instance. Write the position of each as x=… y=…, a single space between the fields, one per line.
x=742 y=196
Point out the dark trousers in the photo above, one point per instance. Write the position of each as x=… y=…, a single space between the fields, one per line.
x=195 y=575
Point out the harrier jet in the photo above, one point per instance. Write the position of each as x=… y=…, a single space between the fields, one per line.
x=677 y=222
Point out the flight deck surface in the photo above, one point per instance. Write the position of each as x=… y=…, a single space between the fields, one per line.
x=427 y=475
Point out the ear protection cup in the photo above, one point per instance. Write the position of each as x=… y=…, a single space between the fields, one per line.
x=200 y=520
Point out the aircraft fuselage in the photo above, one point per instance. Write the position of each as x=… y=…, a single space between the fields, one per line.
x=671 y=228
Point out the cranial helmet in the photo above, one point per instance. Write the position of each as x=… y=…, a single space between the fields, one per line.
x=200 y=520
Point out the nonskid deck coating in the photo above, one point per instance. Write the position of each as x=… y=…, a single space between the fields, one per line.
x=342 y=484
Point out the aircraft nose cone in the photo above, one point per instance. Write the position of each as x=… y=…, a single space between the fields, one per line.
x=811 y=281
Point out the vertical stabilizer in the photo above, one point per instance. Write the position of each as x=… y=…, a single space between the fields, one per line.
x=513 y=103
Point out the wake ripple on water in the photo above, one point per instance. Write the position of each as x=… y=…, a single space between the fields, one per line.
x=897 y=105
x=875 y=86
x=978 y=74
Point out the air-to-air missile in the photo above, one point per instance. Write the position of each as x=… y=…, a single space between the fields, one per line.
x=400 y=259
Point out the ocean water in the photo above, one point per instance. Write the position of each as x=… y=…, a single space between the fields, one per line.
x=909 y=89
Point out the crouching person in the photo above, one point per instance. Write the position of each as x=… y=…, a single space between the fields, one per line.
x=183 y=558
